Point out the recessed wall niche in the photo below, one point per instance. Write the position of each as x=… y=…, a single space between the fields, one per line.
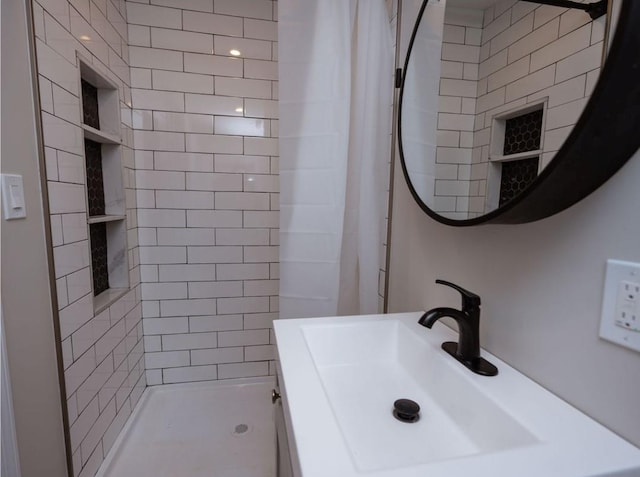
x=516 y=146
x=104 y=187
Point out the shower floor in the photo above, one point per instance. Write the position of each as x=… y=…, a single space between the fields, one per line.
x=213 y=429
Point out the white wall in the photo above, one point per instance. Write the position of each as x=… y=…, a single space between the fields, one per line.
x=541 y=288
x=206 y=133
x=27 y=322
x=103 y=352
x=9 y=458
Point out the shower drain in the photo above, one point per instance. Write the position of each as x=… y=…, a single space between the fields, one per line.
x=241 y=429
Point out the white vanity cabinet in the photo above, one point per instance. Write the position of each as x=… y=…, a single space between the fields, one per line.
x=286 y=456
x=343 y=374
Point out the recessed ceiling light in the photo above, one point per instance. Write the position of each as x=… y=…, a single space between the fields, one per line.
x=239 y=110
x=85 y=37
x=234 y=52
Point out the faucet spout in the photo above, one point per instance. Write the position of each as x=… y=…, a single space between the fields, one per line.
x=431 y=316
x=467 y=349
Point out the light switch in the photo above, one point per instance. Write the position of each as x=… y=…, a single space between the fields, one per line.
x=13 y=205
x=620 y=321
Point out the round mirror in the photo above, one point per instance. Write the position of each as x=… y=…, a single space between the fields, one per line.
x=509 y=112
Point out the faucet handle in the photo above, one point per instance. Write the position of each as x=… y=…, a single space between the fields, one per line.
x=469 y=299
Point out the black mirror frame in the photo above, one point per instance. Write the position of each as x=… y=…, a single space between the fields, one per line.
x=605 y=137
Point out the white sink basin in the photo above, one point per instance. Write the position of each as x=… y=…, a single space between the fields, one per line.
x=365 y=366
x=342 y=375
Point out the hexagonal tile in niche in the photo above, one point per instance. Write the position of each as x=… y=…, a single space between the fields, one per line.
x=95 y=181
x=523 y=133
x=516 y=176
x=98 y=238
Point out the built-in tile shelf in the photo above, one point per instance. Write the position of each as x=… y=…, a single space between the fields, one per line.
x=102 y=137
x=96 y=219
x=106 y=298
x=515 y=157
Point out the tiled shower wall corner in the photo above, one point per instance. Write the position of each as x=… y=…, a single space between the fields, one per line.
x=207 y=180
x=103 y=353
x=527 y=53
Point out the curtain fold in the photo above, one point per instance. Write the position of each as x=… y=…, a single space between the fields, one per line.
x=335 y=94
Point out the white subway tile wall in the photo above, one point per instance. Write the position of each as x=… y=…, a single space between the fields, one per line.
x=207 y=185
x=527 y=54
x=456 y=110
x=541 y=53
x=200 y=167
x=103 y=352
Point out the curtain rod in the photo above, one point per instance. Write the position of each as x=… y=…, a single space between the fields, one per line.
x=595 y=9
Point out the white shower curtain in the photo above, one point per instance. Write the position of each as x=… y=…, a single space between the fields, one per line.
x=335 y=94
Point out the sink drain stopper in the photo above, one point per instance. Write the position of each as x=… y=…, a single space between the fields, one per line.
x=406 y=410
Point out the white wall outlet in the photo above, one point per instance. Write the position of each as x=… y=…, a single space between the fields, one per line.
x=620 y=321
x=627 y=313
